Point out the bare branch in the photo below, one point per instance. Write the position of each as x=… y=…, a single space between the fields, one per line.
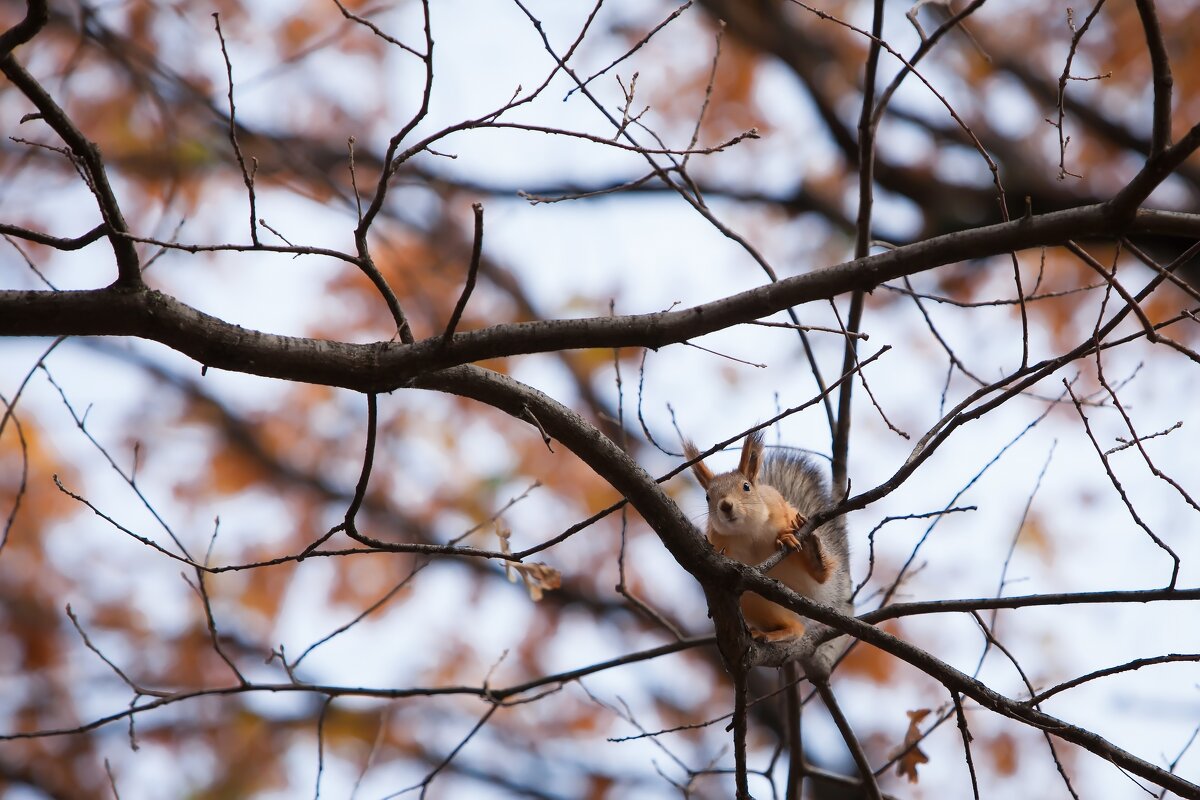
x=869 y=785
x=1160 y=137
x=472 y=271
x=88 y=156
x=1175 y=561
x=247 y=175
x=211 y=341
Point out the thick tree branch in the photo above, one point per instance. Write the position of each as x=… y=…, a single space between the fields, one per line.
x=386 y=366
x=1156 y=170
x=36 y=16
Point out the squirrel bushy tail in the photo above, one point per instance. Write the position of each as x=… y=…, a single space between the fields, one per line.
x=803 y=485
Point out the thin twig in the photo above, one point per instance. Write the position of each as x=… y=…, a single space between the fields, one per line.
x=1179 y=756
x=622 y=587
x=81 y=424
x=472 y=271
x=423 y=785
x=375 y=29
x=637 y=46
x=1137 y=440
x=1112 y=477
x=1130 y=666
x=137 y=690
x=354 y=178
x=364 y=477
x=708 y=93
x=112 y=780
x=202 y=591
x=866 y=184
x=321 y=744
x=869 y=785
x=793 y=326
x=247 y=174
x=966 y=739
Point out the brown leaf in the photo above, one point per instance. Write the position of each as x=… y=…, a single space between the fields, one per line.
x=539 y=578
x=231 y=471
x=1036 y=536
x=872 y=663
x=1004 y=753
x=909 y=755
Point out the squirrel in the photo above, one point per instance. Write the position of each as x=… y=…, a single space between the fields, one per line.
x=760 y=507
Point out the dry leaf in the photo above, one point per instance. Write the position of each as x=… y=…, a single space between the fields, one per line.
x=909 y=755
x=539 y=578
x=504 y=534
x=1004 y=753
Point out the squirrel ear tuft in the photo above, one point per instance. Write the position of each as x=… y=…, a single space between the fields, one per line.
x=751 y=456
x=702 y=472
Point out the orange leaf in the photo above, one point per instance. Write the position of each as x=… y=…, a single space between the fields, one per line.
x=1004 y=752
x=871 y=662
x=909 y=754
x=233 y=472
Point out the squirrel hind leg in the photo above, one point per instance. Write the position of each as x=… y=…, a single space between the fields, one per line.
x=817 y=562
x=779 y=634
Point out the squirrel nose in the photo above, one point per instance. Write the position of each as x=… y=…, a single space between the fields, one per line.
x=725 y=506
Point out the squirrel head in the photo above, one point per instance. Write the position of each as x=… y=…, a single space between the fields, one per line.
x=736 y=503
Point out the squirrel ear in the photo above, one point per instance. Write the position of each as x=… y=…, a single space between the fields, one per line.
x=702 y=472
x=751 y=456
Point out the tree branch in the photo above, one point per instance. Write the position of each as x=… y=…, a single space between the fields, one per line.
x=149 y=314
x=36 y=15
x=129 y=274
x=1163 y=82
x=951 y=678
x=722 y=578
x=897 y=610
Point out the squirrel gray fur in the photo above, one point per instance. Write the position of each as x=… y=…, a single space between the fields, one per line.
x=758 y=508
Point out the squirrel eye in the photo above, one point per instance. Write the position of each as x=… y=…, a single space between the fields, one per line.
x=746 y=486
x=706 y=497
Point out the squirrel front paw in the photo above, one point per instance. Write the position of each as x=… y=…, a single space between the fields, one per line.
x=788 y=540
x=787 y=537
